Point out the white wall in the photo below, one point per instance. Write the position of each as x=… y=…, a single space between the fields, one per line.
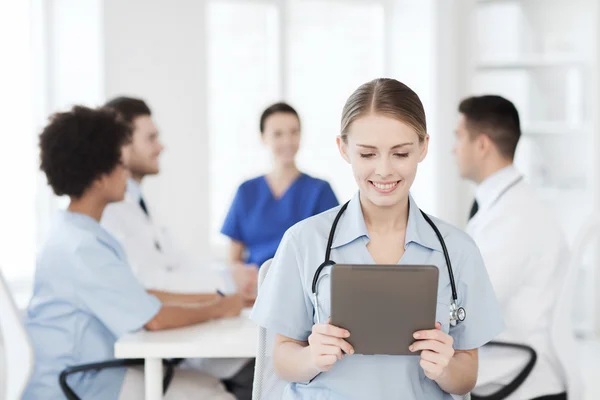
x=454 y=195
x=74 y=48
x=156 y=50
x=17 y=144
x=55 y=61
x=596 y=165
x=425 y=57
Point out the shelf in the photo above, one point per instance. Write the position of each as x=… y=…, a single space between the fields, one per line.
x=532 y=61
x=554 y=129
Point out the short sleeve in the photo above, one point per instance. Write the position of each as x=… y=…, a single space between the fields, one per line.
x=326 y=199
x=476 y=295
x=282 y=305
x=232 y=225
x=106 y=285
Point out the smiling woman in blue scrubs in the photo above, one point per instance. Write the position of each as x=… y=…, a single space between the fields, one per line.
x=383 y=138
x=265 y=207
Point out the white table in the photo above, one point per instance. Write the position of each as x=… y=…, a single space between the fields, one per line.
x=224 y=338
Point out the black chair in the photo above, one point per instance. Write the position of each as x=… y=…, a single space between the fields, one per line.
x=519 y=379
x=118 y=363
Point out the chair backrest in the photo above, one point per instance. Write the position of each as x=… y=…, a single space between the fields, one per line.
x=267 y=385
x=17 y=349
x=562 y=335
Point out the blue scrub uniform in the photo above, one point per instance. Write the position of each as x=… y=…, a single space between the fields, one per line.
x=85 y=297
x=258 y=219
x=285 y=304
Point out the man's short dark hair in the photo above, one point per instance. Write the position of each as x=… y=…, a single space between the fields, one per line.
x=130 y=108
x=495 y=116
x=79 y=146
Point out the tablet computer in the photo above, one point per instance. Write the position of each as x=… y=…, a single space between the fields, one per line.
x=383 y=305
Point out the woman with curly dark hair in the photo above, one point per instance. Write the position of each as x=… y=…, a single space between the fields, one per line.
x=85 y=295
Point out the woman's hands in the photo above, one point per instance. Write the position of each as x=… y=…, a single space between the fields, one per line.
x=436 y=351
x=328 y=345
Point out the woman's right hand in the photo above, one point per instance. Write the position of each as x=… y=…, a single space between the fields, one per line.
x=231 y=306
x=327 y=345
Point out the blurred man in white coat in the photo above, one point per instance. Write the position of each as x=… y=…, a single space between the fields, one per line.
x=155 y=258
x=522 y=246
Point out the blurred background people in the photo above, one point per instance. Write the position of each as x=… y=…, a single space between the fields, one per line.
x=86 y=296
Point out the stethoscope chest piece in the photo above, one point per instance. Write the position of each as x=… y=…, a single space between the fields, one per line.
x=456 y=314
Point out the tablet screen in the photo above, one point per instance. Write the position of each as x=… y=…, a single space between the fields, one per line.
x=383 y=305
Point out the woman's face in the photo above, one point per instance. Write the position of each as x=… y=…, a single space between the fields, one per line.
x=114 y=184
x=281 y=135
x=384 y=153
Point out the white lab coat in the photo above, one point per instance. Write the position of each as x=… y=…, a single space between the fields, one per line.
x=526 y=257
x=149 y=247
x=159 y=264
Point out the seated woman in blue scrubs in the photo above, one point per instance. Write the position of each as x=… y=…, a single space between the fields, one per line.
x=383 y=138
x=85 y=294
x=266 y=206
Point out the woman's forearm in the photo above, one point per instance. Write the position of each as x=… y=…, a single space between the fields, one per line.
x=174 y=317
x=236 y=252
x=460 y=375
x=292 y=362
x=178 y=298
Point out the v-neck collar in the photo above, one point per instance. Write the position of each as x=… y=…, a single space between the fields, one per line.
x=352 y=226
x=286 y=191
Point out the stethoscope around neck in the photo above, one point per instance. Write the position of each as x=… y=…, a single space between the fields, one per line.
x=456 y=313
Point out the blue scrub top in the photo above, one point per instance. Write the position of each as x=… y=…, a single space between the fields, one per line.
x=258 y=219
x=285 y=304
x=85 y=297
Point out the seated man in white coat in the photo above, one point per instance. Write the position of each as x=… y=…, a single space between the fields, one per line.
x=155 y=259
x=521 y=243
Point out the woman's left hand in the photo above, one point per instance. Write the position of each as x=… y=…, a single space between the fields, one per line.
x=437 y=350
x=246 y=280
